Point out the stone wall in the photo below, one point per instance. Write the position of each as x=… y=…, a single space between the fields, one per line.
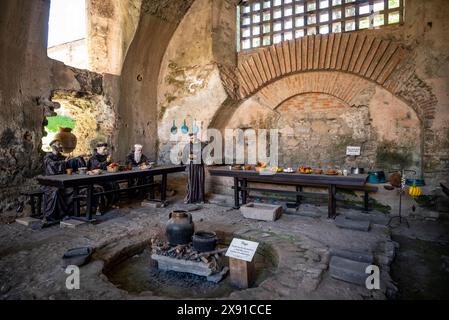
x=111 y=28
x=297 y=106
x=28 y=79
x=403 y=63
x=138 y=114
x=190 y=87
x=24 y=93
x=393 y=77
x=95 y=119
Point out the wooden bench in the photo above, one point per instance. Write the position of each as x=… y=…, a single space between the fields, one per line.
x=36 y=197
x=95 y=195
x=299 y=193
x=366 y=190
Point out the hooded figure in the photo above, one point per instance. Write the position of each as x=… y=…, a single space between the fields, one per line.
x=136 y=157
x=100 y=160
x=57 y=202
x=195 y=170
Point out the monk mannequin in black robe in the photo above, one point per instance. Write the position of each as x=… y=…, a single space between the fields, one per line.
x=58 y=203
x=100 y=160
x=136 y=158
x=195 y=170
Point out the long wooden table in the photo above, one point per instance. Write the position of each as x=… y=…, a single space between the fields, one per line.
x=242 y=177
x=78 y=181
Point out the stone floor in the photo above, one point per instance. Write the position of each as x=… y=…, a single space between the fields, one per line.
x=30 y=260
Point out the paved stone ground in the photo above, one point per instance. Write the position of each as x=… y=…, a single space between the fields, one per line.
x=30 y=260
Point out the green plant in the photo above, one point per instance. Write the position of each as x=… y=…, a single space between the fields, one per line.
x=56 y=122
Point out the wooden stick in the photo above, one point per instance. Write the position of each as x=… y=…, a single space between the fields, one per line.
x=218 y=251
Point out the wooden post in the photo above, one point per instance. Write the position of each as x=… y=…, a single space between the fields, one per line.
x=242 y=273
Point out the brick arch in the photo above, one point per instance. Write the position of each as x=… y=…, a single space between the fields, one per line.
x=362 y=55
x=380 y=61
x=330 y=83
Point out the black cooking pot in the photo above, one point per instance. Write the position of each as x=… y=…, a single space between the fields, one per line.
x=204 y=241
x=357 y=170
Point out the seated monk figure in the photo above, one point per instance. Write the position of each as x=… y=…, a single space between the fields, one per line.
x=100 y=160
x=136 y=158
x=58 y=203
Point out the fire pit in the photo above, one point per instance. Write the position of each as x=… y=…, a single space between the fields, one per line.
x=185 y=258
x=136 y=271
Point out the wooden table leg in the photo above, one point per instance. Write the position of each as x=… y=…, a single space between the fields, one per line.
x=130 y=191
x=244 y=191
x=39 y=206
x=151 y=180
x=298 y=197
x=366 y=202
x=89 y=200
x=164 y=188
x=33 y=206
x=76 y=205
x=236 y=193
x=332 y=204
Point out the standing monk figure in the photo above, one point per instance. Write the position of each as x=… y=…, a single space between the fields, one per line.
x=195 y=170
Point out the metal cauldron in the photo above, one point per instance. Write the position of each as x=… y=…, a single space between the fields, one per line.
x=204 y=241
x=357 y=170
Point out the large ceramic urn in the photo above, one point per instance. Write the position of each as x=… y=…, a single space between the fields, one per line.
x=180 y=228
x=67 y=138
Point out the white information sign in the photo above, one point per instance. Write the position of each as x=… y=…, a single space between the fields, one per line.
x=242 y=249
x=353 y=151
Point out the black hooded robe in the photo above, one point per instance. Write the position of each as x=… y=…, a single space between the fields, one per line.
x=58 y=203
x=140 y=181
x=131 y=160
x=195 y=173
x=98 y=161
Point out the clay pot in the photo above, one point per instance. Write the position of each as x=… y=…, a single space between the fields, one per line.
x=67 y=138
x=180 y=228
x=395 y=179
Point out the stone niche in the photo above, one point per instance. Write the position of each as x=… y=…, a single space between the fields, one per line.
x=316 y=128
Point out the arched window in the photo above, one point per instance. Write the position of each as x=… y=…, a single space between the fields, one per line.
x=67 y=33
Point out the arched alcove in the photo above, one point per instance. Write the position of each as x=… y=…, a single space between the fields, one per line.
x=320 y=113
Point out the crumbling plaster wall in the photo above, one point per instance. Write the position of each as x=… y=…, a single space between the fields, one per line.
x=111 y=28
x=24 y=92
x=419 y=80
x=172 y=65
x=190 y=86
x=316 y=127
x=28 y=79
